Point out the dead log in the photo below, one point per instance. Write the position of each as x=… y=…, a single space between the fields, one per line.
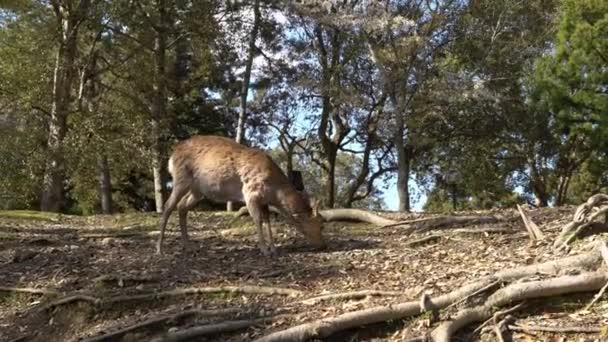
x=517 y=292
x=328 y=326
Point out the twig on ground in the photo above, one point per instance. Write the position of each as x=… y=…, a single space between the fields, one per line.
x=596 y=297
x=351 y=295
x=498 y=315
x=499 y=328
x=526 y=328
x=430 y=238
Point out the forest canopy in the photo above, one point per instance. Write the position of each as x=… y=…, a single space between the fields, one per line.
x=478 y=104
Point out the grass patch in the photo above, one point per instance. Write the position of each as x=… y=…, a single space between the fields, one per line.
x=30 y=215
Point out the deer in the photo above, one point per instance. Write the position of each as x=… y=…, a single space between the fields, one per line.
x=221 y=170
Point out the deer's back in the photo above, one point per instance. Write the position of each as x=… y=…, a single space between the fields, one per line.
x=220 y=169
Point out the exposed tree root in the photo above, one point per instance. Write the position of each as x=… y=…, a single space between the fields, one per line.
x=159 y=321
x=425 y=224
x=326 y=327
x=209 y=329
x=355 y=215
x=329 y=215
x=583 y=217
x=351 y=295
x=517 y=292
x=527 y=328
x=172 y=293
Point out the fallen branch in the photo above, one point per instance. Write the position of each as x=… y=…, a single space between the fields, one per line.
x=29 y=290
x=71 y=299
x=425 y=224
x=499 y=328
x=215 y=328
x=351 y=295
x=481 y=230
x=328 y=326
x=499 y=314
x=596 y=297
x=119 y=333
x=526 y=328
x=533 y=230
x=518 y=292
x=430 y=238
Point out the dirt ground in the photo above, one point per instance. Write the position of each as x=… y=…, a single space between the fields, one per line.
x=106 y=256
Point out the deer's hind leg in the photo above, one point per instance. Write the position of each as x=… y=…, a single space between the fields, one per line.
x=185 y=204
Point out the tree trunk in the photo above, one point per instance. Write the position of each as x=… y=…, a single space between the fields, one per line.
x=538 y=188
x=403 y=165
x=105 y=185
x=159 y=103
x=330 y=186
x=157 y=163
x=52 y=198
x=240 y=127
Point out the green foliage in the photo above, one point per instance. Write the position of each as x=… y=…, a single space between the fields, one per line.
x=572 y=81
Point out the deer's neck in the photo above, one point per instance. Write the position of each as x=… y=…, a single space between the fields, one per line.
x=291 y=201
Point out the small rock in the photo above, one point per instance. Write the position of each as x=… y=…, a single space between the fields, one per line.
x=74 y=247
x=173 y=329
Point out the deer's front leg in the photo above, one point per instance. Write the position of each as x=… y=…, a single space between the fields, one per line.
x=255 y=210
x=266 y=218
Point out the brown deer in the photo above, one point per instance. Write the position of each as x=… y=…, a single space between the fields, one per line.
x=221 y=170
